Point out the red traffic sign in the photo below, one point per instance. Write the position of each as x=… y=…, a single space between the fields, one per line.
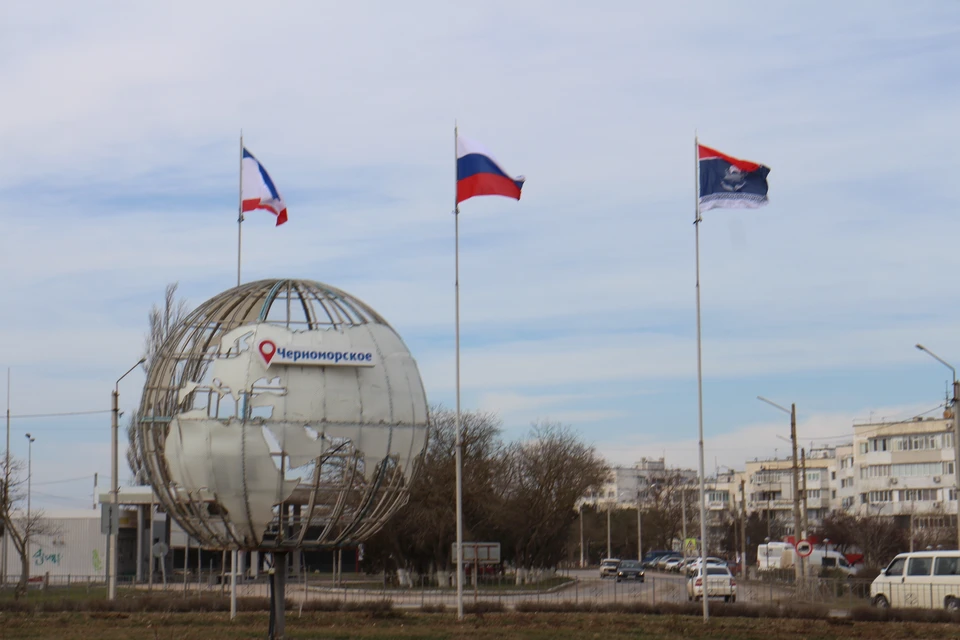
x=804 y=548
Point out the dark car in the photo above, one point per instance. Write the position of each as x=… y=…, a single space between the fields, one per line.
x=630 y=570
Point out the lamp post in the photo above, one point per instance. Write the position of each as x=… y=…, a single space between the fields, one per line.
x=956 y=429
x=29 y=527
x=609 y=509
x=797 y=534
x=115 y=482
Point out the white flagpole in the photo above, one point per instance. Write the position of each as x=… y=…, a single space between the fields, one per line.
x=458 y=440
x=240 y=210
x=703 y=510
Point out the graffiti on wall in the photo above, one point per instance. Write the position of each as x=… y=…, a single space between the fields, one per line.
x=40 y=557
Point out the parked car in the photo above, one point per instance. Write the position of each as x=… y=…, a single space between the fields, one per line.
x=925 y=579
x=672 y=564
x=630 y=570
x=720 y=584
x=650 y=558
x=686 y=562
x=711 y=561
x=608 y=567
x=662 y=560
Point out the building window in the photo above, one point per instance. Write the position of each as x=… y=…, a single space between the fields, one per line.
x=863 y=447
x=718 y=496
x=846 y=503
x=833 y=476
x=881 y=496
x=909 y=495
x=813 y=494
x=813 y=476
x=832 y=496
x=915 y=469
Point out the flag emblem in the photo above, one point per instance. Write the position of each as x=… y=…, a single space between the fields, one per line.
x=257 y=189
x=479 y=174
x=728 y=182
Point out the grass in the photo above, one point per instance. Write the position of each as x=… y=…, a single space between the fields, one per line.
x=506 y=585
x=392 y=624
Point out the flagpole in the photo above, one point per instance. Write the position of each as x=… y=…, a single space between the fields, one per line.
x=703 y=510
x=240 y=210
x=458 y=439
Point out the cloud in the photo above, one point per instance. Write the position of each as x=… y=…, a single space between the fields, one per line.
x=119 y=176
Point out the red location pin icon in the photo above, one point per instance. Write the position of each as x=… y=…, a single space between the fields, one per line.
x=268 y=349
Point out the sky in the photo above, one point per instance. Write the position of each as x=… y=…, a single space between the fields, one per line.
x=119 y=175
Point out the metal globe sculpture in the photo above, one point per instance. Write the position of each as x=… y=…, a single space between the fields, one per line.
x=282 y=414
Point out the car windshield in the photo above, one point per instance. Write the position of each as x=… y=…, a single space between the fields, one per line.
x=629 y=564
x=717 y=571
x=609 y=563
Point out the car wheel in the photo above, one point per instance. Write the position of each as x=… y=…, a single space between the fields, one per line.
x=618 y=579
x=880 y=602
x=952 y=604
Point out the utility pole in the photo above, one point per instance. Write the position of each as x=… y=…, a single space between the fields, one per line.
x=956 y=429
x=639 y=529
x=796 y=481
x=796 y=488
x=803 y=456
x=609 y=509
x=581 y=535
x=743 y=531
x=956 y=448
x=683 y=510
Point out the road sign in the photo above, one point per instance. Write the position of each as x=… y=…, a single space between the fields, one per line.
x=804 y=548
x=160 y=549
x=480 y=552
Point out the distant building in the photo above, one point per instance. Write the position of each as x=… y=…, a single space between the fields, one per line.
x=906 y=470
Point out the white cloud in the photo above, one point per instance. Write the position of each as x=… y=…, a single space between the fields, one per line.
x=119 y=175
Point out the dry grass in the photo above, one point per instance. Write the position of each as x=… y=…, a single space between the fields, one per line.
x=503 y=626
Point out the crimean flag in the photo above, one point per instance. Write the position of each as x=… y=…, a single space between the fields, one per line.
x=731 y=183
x=257 y=190
x=479 y=174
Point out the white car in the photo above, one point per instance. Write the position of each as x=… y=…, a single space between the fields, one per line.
x=720 y=584
x=608 y=567
x=672 y=564
x=692 y=567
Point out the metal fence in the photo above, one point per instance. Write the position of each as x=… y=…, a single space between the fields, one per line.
x=501 y=591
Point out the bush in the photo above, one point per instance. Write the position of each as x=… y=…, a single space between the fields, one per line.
x=483 y=606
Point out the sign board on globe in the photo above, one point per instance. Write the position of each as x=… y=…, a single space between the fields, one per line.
x=804 y=548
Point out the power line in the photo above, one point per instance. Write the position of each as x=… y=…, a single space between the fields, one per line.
x=58 y=415
x=86 y=477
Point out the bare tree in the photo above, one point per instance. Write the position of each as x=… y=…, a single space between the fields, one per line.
x=544 y=477
x=20 y=527
x=419 y=536
x=162 y=320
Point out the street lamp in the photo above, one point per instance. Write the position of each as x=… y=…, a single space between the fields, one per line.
x=792 y=411
x=29 y=527
x=956 y=430
x=115 y=482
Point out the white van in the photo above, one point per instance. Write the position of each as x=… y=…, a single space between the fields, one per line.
x=782 y=555
x=925 y=579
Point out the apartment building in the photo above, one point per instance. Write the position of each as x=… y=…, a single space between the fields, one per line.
x=906 y=470
x=770 y=486
x=626 y=485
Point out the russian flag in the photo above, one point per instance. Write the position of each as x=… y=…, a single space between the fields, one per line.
x=257 y=190
x=729 y=182
x=478 y=173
